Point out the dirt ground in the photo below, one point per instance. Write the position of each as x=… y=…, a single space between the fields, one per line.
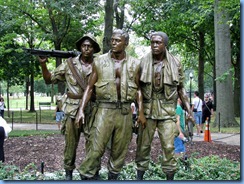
x=24 y=150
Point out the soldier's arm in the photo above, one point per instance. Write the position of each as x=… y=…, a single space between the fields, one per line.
x=183 y=96
x=80 y=117
x=45 y=72
x=141 y=117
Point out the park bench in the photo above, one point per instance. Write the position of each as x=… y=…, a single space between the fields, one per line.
x=44 y=104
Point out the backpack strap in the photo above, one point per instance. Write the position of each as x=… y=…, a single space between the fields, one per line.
x=76 y=75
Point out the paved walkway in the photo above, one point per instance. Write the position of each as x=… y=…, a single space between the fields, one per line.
x=232 y=139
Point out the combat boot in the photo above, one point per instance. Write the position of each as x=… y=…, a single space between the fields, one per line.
x=68 y=174
x=97 y=176
x=112 y=176
x=140 y=175
x=170 y=176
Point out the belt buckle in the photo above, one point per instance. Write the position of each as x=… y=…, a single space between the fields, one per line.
x=119 y=105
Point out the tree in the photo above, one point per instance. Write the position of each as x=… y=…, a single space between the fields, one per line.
x=108 y=24
x=188 y=25
x=51 y=21
x=225 y=100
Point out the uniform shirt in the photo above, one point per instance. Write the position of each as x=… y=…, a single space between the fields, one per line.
x=63 y=73
x=159 y=87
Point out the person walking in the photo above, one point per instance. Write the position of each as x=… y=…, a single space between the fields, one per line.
x=197 y=109
x=4 y=131
x=180 y=123
x=115 y=79
x=59 y=115
x=161 y=83
x=207 y=109
x=75 y=73
x=134 y=117
x=2 y=107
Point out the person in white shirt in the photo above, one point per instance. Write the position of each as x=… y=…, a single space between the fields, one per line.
x=2 y=106
x=134 y=117
x=197 y=109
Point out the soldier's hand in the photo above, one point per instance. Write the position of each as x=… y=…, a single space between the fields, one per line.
x=141 y=119
x=80 y=118
x=42 y=59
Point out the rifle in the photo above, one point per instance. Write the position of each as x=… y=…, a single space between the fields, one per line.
x=52 y=53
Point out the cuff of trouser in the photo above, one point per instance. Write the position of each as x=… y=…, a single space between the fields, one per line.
x=170 y=171
x=141 y=169
x=85 y=175
x=66 y=167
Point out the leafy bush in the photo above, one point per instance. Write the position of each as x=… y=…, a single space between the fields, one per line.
x=205 y=168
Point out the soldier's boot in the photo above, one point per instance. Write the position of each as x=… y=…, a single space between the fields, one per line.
x=112 y=176
x=97 y=176
x=86 y=178
x=170 y=176
x=140 y=175
x=68 y=174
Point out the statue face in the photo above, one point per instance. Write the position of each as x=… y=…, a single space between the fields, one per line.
x=157 y=45
x=87 y=49
x=118 y=43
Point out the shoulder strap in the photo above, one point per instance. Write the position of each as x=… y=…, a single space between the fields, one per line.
x=76 y=75
x=198 y=103
x=207 y=107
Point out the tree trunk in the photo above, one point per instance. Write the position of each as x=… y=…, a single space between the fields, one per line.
x=32 y=98
x=120 y=17
x=224 y=88
x=201 y=65
x=8 y=98
x=237 y=87
x=108 y=29
x=52 y=94
x=27 y=84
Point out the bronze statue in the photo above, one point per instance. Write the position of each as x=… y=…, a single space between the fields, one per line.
x=75 y=73
x=115 y=79
x=161 y=83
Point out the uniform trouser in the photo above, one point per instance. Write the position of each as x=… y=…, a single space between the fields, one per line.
x=108 y=123
x=166 y=131
x=72 y=137
x=2 y=137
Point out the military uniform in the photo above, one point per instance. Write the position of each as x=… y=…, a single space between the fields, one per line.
x=159 y=81
x=113 y=117
x=70 y=105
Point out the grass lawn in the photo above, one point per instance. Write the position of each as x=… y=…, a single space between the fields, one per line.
x=18 y=114
x=20 y=102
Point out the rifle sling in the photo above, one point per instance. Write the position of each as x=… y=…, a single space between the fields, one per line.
x=76 y=75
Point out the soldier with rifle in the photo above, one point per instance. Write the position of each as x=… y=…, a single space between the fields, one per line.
x=75 y=73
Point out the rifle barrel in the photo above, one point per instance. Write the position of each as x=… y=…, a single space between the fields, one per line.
x=52 y=53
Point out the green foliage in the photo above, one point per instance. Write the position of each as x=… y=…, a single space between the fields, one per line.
x=205 y=168
x=211 y=168
x=7 y=171
x=24 y=133
x=225 y=75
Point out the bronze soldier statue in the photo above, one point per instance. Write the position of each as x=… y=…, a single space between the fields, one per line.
x=75 y=73
x=161 y=83
x=115 y=79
